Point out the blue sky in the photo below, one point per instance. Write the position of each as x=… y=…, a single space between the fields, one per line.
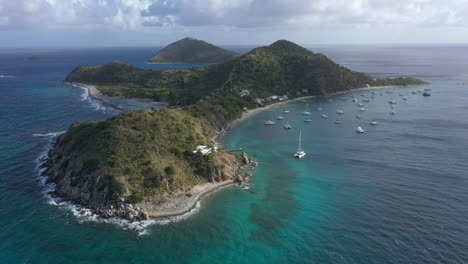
x=224 y=22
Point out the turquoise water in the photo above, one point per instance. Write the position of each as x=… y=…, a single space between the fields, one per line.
x=395 y=194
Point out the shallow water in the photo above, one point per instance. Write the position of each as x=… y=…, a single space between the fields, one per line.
x=395 y=194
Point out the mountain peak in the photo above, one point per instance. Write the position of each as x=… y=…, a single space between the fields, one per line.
x=189 y=39
x=287 y=45
x=190 y=50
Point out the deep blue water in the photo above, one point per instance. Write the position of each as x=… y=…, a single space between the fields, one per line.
x=395 y=194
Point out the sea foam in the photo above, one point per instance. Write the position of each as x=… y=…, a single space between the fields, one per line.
x=95 y=104
x=85 y=215
x=52 y=134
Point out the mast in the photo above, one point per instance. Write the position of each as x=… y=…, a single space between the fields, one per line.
x=300 y=136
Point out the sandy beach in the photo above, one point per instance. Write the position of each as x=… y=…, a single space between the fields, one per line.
x=94 y=92
x=252 y=112
x=183 y=203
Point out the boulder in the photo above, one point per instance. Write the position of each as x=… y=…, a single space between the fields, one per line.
x=245 y=158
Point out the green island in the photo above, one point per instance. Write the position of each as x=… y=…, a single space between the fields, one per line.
x=143 y=164
x=190 y=50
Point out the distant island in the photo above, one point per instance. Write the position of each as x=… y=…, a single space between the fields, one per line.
x=157 y=163
x=189 y=50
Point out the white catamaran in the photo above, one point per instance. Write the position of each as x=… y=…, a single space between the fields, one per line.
x=306 y=112
x=300 y=153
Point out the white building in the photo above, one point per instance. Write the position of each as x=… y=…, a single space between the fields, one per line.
x=202 y=149
x=272 y=97
x=244 y=93
x=259 y=101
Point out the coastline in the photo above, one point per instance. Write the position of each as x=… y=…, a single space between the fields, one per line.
x=252 y=112
x=183 y=204
x=94 y=92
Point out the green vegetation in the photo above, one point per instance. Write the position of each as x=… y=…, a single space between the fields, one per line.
x=149 y=152
x=134 y=198
x=189 y=50
x=143 y=152
x=212 y=92
x=170 y=170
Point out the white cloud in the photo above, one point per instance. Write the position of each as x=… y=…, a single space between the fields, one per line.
x=258 y=19
x=110 y=14
x=264 y=13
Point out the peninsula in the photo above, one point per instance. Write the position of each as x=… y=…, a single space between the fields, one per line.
x=189 y=50
x=150 y=163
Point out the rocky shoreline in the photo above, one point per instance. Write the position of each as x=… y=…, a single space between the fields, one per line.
x=150 y=209
x=178 y=204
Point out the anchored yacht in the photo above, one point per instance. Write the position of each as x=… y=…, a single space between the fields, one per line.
x=300 y=153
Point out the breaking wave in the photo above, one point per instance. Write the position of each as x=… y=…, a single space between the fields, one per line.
x=85 y=215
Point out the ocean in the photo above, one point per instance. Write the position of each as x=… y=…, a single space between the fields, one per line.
x=394 y=194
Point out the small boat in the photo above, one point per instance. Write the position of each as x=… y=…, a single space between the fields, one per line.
x=400 y=94
x=359 y=130
x=428 y=89
x=287 y=126
x=279 y=118
x=338 y=122
x=373 y=123
x=339 y=112
x=360 y=104
x=414 y=92
x=426 y=94
x=362 y=109
x=389 y=92
x=392 y=112
x=344 y=98
x=374 y=92
x=363 y=95
x=319 y=109
x=269 y=123
x=308 y=119
x=285 y=111
x=306 y=111
x=358 y=116
x=324 y=116
x=392 y=102
x=366 y=100
x=354 y=100
x=300 y=153
x=404 y=98
x=330 y=100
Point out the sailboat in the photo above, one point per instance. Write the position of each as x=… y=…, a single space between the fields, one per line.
x=300 y=153
x=287 y=126
x=306 y=112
